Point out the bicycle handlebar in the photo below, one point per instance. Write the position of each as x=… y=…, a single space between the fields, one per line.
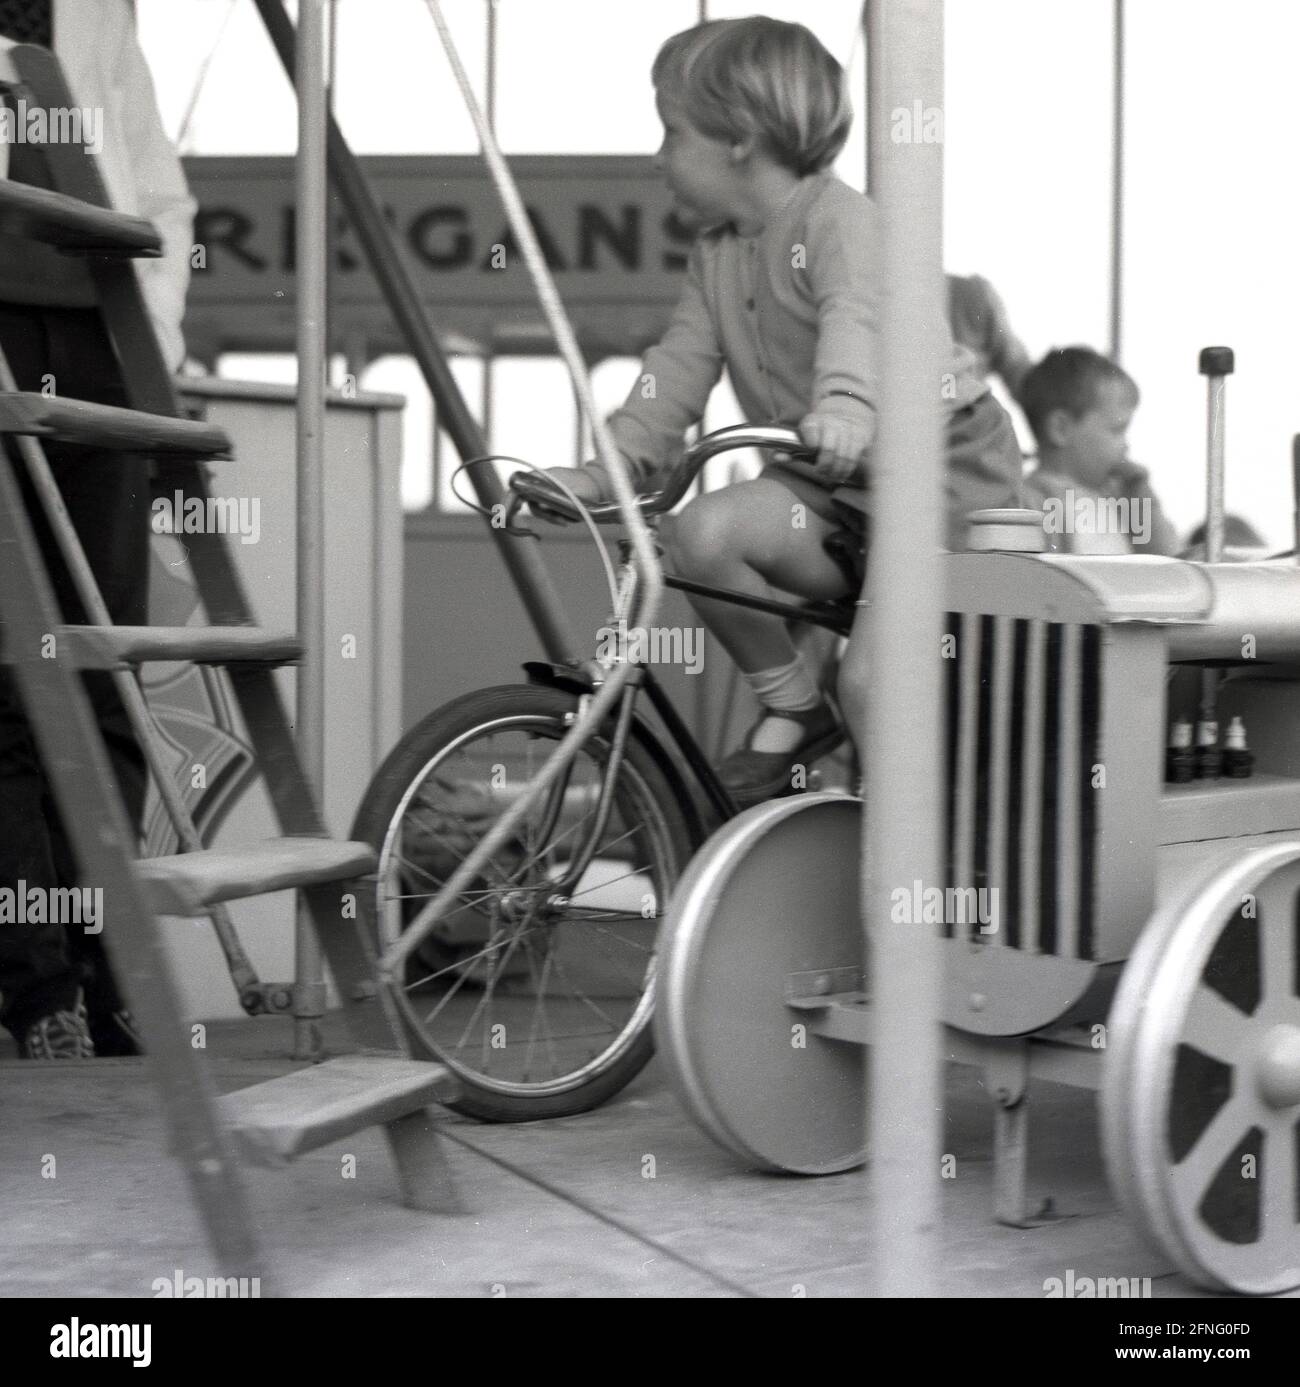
x=533 y=487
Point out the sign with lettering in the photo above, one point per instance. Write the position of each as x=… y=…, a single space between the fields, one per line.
x=605 y=224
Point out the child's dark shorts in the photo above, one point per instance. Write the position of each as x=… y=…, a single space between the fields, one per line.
x=982 y=464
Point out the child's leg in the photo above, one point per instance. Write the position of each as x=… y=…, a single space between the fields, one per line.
x=745 y=538
x=750 y=538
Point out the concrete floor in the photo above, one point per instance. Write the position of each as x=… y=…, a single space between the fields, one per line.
x=556 y=1209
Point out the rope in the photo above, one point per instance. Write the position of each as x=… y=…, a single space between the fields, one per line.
x=556 y=317
x=199 y=82
x=593 y=713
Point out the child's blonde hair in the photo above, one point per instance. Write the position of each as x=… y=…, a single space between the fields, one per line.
x=761 y=77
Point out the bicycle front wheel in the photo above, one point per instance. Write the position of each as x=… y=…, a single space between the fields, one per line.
x=539 y=998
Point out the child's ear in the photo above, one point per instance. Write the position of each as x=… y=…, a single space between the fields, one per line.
x=743 y=148
x=1057 y=427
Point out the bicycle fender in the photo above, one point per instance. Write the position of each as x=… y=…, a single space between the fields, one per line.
x=571 y=680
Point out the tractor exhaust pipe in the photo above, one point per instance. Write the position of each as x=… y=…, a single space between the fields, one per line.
x=1216 y=365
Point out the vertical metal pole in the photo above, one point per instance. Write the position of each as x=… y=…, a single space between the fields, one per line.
x=902 y=627
x=1295 y=495
x=310 y=187
x=1117 y=189
x=487 y=398
x=873 y=105
x=329 y=331
x=1216 y=365
x=533 y=582
x=490 y=92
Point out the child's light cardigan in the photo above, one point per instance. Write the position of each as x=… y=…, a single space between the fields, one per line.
x=793 y=315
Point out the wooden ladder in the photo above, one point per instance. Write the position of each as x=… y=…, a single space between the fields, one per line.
x=273 y=1122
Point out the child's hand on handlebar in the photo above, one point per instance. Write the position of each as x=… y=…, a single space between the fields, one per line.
x=841 y=445
x=583 y=485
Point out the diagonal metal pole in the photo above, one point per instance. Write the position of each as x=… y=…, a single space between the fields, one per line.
x=532 y=580
x=902 y=629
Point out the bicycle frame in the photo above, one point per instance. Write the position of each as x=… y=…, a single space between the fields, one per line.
x=588 y=677
x=832 y=616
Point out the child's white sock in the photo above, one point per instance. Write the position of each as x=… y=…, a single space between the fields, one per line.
x=789 y=688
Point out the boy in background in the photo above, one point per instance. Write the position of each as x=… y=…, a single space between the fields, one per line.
x=1080 y=405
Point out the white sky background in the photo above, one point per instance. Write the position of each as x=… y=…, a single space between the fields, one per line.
x=1212 y=205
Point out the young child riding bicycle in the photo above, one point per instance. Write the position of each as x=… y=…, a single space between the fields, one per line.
x=781 y=290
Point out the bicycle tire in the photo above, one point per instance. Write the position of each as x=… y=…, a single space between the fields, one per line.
x=428 y=803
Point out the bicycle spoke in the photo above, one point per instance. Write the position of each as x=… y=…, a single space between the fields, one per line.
x=593 y=914
x=593 y=937
x=527 y=995
x=456 y=966
x=570 y=831
x=487 y=994
x=459 y=856
x=539 y=1014
x=586 y=1001
x=600 y=885
x=461 y=979
x=468 y=899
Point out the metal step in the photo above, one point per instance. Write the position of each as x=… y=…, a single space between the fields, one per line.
x=123 y=647
x=191 y=881
x=76 y=227
x=274 y=1122
x=108 y=426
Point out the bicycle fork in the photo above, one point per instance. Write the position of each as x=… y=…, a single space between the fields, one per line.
x=609 y=779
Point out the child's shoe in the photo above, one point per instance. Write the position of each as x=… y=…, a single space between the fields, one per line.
x=62 y=1035
x=753 y=776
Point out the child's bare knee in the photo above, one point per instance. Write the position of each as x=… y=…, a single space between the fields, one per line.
x=700 y=534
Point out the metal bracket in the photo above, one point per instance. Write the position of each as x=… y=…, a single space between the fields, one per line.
x=1006 y=1074
x=818 y=985
x=1006 y=1070
x=267 y=999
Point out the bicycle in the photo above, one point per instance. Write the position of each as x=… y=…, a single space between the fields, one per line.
x=537 y=987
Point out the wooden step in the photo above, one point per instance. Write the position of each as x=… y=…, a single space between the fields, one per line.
x=124 y=647
x=191 y=881
x=108 y=426
x=275 y=1122
x=76 y=227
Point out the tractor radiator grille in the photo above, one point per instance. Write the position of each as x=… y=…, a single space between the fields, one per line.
x=1023 y=738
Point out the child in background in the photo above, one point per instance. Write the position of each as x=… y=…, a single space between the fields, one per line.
x=782 y=290
x=979 y=320
x=1080 y=405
